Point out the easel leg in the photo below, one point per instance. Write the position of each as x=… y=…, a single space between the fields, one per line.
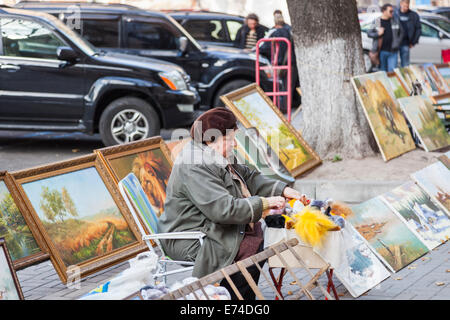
x=278 y=282
x=330 y=285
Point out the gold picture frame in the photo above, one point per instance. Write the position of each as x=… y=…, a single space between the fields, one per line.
x=120 y=159
x=296 y=167
x=91 y=173
x=25 y=261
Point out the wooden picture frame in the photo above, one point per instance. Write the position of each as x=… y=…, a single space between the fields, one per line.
x=91 y=172
x=440 y=99
x=229 y=99
x=4 y=252
x=25 y=261
x=112 y=155
x=391 y=75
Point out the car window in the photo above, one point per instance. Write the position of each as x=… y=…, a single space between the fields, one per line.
x=147 y=35
x=233 y=27
x=101 y=33
x=428 y=31
x=26 y=38
x=441 y=23
x=206 y=30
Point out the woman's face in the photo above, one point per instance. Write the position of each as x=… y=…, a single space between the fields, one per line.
x=224 y=145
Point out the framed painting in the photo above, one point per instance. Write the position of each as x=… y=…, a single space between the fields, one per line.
x=253 y=108
x=9 y=283
x=444 y=70
x=150 y=160
x=399 y=89
x=252 y=150
x=425 y=122
x=25 y=244
x=387 y=234
x=415 y=80
x=421 y=213
x=383 y=114
x=436 y=78
x=78 y=209
x=435 y=180
x=354 y=263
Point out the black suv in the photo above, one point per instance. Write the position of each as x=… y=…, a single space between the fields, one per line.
x=52 y=79
x=214 y=71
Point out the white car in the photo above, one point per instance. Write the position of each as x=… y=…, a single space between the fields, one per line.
x=435 y=38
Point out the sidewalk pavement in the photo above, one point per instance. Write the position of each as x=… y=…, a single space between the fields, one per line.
x=427 y=278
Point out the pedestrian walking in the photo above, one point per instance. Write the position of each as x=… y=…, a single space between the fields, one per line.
x=410 y=22
x=387 y=34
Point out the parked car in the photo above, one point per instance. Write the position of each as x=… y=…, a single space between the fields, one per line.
x=435 y=38
x=214 y=71
x=210 y=28
x=52 y=79
x=443 y=11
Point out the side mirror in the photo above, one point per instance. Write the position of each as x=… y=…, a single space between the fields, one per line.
x=183 y=44
x=66 y=54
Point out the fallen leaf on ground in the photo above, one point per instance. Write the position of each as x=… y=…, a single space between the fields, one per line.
x=411 y=267
x=293 y=282
x=398 y=278
x=448 y=270
x=289 y=293
x=341 y=294
x=75 y=150
x=425 y=258
x=440 y=283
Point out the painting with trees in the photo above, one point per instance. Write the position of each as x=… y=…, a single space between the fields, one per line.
x=79 y=212
x=254 y=109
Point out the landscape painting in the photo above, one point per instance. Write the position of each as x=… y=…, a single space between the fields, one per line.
x=436 y=78
x=386 y=233
x=254 y=109
x=9 y=284
x=421 y=213
x=435 y=180
x=415 y=81
x=79 y=215
x=384 y=115
x=425 y=122
x=355 y=265
x=13 y=227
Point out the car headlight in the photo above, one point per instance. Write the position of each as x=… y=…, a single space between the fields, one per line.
x=174 y=80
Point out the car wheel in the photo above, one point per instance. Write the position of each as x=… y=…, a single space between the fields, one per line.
x=367 y=62
x=228 y=87
x=128 y=119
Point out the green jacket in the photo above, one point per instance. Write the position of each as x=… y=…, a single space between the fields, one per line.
x=203 y=196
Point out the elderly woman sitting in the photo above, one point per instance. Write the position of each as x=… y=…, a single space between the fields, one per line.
x=207 y=192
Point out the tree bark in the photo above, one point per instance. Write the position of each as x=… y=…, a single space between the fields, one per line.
x=328 y=46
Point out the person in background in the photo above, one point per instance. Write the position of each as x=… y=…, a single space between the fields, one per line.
x=250 y=33
x=410 y=21
x=285 y=25
x=387 y=34
x=282 y=30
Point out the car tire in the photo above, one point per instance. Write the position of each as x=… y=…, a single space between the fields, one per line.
x=226 y=88
x=128 y=119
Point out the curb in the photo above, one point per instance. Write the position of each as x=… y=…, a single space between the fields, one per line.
x=349 y=191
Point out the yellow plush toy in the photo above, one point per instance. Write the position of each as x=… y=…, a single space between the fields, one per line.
x=311 y=225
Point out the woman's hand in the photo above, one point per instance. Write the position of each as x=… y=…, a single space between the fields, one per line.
x=294 y=194
x=276 y=202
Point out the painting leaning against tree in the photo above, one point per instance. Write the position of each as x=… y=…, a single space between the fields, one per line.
x=393 y=242
x=79 y=215
x=384 y=115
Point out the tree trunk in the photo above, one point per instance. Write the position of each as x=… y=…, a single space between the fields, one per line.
x=328 y=46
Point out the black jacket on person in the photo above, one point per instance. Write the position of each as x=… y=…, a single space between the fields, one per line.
x=278 y=33
x=397 y=33
x=241 y=35
x=414 y=29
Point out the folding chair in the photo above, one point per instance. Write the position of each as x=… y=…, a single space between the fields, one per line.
x=278 y=250
x=147 y=222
